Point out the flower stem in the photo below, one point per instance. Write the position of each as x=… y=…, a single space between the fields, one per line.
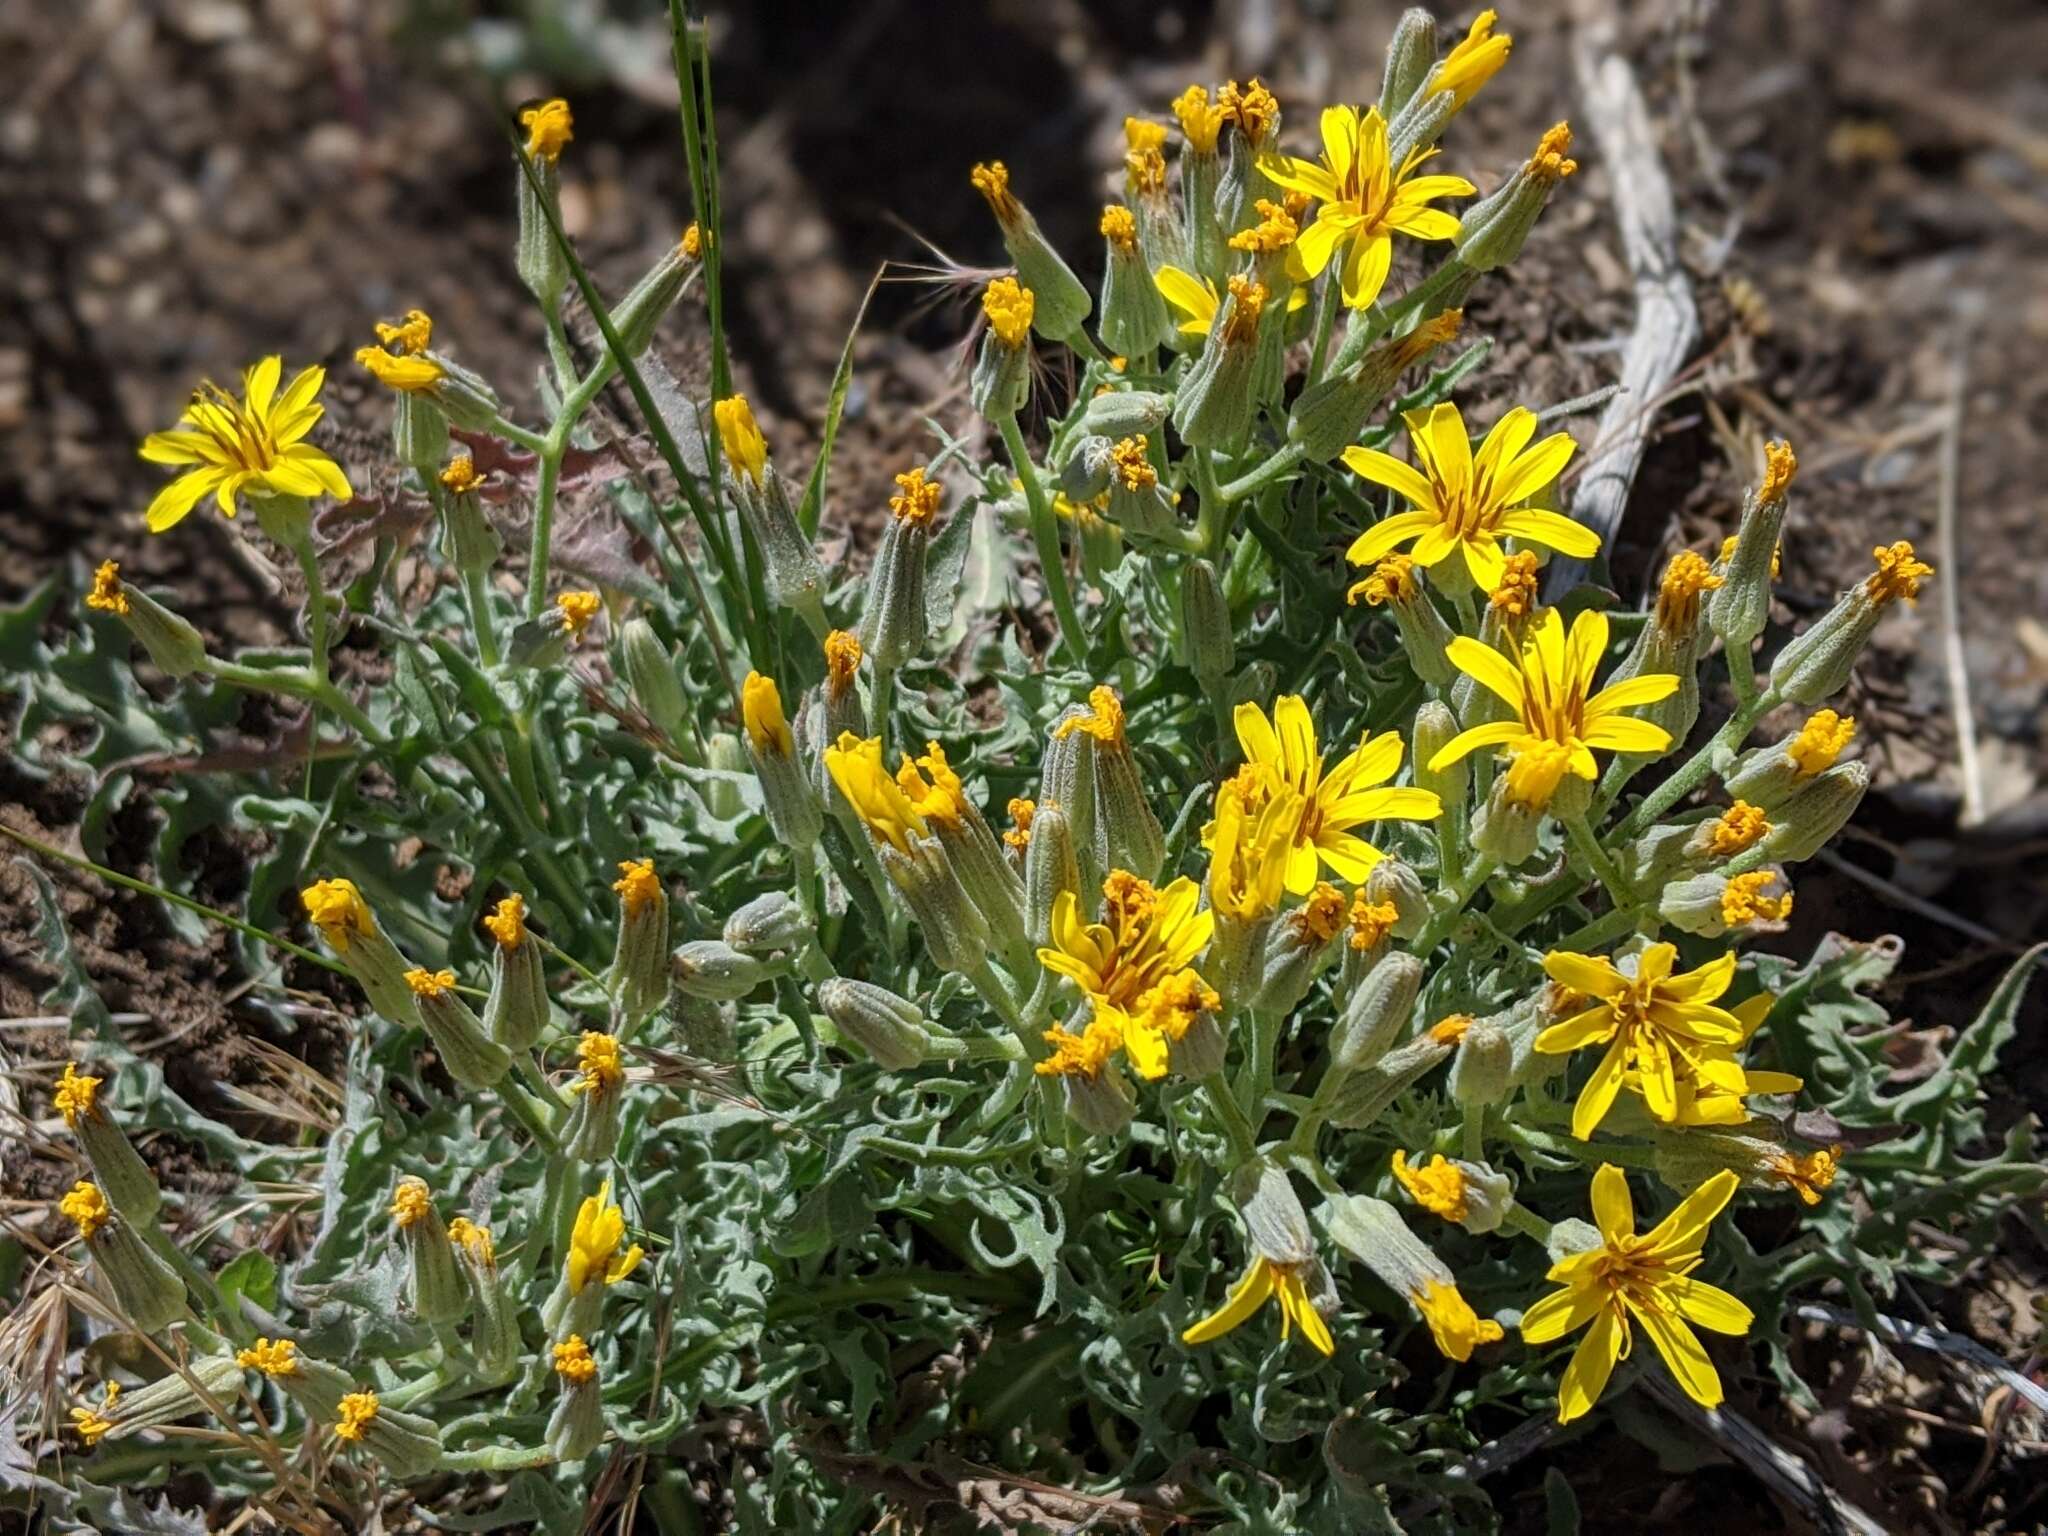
x=1526 y=1222
x=1688 y=778
x=543 y=533
x=1045 y=536
x=1588 y=846
x=1243 y=1140
x=1276 y=465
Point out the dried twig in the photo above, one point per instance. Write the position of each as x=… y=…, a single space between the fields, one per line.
x=1947 y=562
x=1938 y=1340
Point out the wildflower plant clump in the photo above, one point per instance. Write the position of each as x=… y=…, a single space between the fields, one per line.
x=1297 y=1024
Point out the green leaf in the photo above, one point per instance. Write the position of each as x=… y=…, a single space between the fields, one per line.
x=249 y=1274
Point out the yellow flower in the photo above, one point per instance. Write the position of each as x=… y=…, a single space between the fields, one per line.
x=1144 y=162
x=1455 y=1327
x=1283 y=750
x=338 y=910
x=1465 y=502
x=407 y=375
x=1758 y=897
x=1643 y=1279
x=594 y=1244
x=1009 y=307
x=761 y=713
x=408 y=337
x=1559 y=720
x=1082 y=1055
x=1105 y=720
x=1142 y=134
x=692 y=242
x=931 y=785
x=1806 y=1175
x=1275 y=231
x=1780 y=465
x=271 y=1357
x=1475 y=60
x=354 y=1415
x=572 y=1361
x=507 y=922
x=1195 y=297
x=1715 y=1091
x=992 y=181
x=476 y=1241
x=426 y=983
x=461 y=476
x=1147 y=936
x=1739 y=827
x=87 y=1208
x=577 y=609
x=638 y=886
x=547 y=128
x=1264 y=1280
x=739 y=435
x=842 y=662
x=1171 y=1008
x=1393 y=580
x=1552 y=161
x=1316 y=921
x=1199 y=121
x=76 y=1096
x=1242 y=328
x=1820 y=741
x=1513 y=597
x=917 y=499
x=1022 y=812
x=1249 y=848
x=1371 y=921
x=251 y=444
x=1254 y=110
x=1655 y=1025
x=1365 y=201
x=1678 y=594
x=93 y=1424
x=877 y=799
x=597 y=1058
x=1129 y=465
x=1898 y=574
x=410 y=1202
x=1451 y=1029
x=1438 y=1188
x=1119 y=227
x=106 y=594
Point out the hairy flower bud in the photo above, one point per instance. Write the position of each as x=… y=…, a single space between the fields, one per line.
x=145 y=1286
x=1505 y=828
x=640 y=960
x=1373 y=1233
x=576 y=1427
x=1434 y=727
x=434 y=1282
x=955 y=932
x=1207 y=648
x=174 y=646
x=1814 y=814
x=1050 y=869
x=1491 y=231
x=889 y=1028
x=1741 y=607
x=786 y=788
x=714 y=969
x=1481 y=1070
x=1062 y=300
x=351 y=930
x=1394 y=879
x=538 y=258
x=1121 y=413
x=1411 y=55
x=894 y=620
x=1134 y=318
x=1472 y=1195
x=1138 y=503
x=1086 y=473
x=794 y=576
x=643 y=307
x=1214 y=406
x=1425 y=637
x=406 y=1445
x=1001 y=381
x=130 y=1188
x=1368 y=1092
x=651 y=677
x=769 y=925
x=1274 y=1222
x=1713 y=905
x=1298 y=946
x=1816 y=664
x=471 y=1056
x=1376 y=1013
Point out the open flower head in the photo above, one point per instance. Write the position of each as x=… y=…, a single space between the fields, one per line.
x=106 y=594
x=1438 y=1186
x=1657 y=1027
x=573 y=1362
x=917 y=498
x=1364 y=201
x=598 y=1064
x=595 y=1252
x=1819 y=742
x=1200 y=120
x=638 y=885
x=338 y=910
x=76 y=1097
x=1147 y=937
x=93 y=1424
x=1632 y=1280
x=873 y=792
x=86 y=1208
x=1559 y=720
x=254 y=444
x=576 y=610
x=273 y=1357
x=549 y=128
x=1251 y=844
x=1009 y=307
x=354 y=1415
x=1284 y=755
x=1465 y=503
x=1264 y=1281
x=1898 y=575
x=507 y=922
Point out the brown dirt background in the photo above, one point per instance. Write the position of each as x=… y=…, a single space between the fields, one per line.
x=1863 y=190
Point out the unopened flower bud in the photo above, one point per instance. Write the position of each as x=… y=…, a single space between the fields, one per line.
x=406 y=1445
x=895 y=621
x=1741 y=607
x=1570 y=1236
x=130 y=1188
x=1050 y=869
x=889 y=1028
x=434 y=1282
x=1411 y=55
x=1086 y=473
x=1491 y=231
x=591 y=1133
x=576 y=1427
x=651 y=677
x=467 y=537
x=1814 y=814
x=1138 y=503
x=955 y=932
x=164 y=1401
x=1214 y=406
x=315 y=1385
x=1298 y=946
x=1434 y=727
x=471 y=1056
x=1126 y=833
x=643 y=307
x=1251 y=128
x=1329 y=416
x=640 y=961
x=1120 y=413
x=1066 y=779
x=1134 y=318
x=1207 y=647
x=1062 y=300
x=495 y=1334
x=769 y=925
x=145 y=1286
x=714 y=969
x=1376 y=1013
x=1505 y=827
x=174 y=646
x=539 y=258
x=1367 y=1093
x=516 y=1012
x=790 y=566
x=1481 y=1070
x=1816 y=664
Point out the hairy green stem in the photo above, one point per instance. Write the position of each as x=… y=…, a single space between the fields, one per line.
x=1045 y=535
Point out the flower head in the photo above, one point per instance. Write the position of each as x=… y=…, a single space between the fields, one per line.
x=1022 y=813
x=1082 y=1055
x=1657 y=1027
x=1267 y=1280
x=931 y=785
x=1780 y=465
x=1678 y=594
x=1144 y=157
x=739 y=436
x=1806 y=1174
x=1393 y=580
x=87 y=1208
x=1438 y=1188
x=1252 y=110
x=1476 y=59
x=1761 y=896
x=273 y=1357
x=93 y=1424
x=1119 y=227
x=1371 y=921
x=1366 y=200
x=1898 y=574
x=354 y=1416
x=1451 y=1029
x=1104 y=720
x=253 y=444
x=638 y=886
x=1147 y=936
x=1129 y=465
x=572 y=1361
x=1284 y=754
x=461 y=476
x=1559 y=719
x=1466 y=502
x=597 y=1060
x=1250 y=845
x=1275 y=231
x=1009 y=307
x=106 y=594
x=1742 y=826
x=338 y=910
x=548 y=128
x=1200 y=122
x=691 y=244
x=577 y=609
x=1513 y=597
x=917 y=499
x=507 y=922
x=594 y=1252
x=1644 y=1279
x=1249 y=302
x=1552 y=161
x=1453 y=1325
x=842 y=661
x=873 y=792
x=77 y=1096
x=411 y=1202
x=761 y=714
x=1316 y=921
x=475 y=1241
x=426 y=983
x=408 y=337
x=407 y=375
x=992 y=180
x=1819 y=742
